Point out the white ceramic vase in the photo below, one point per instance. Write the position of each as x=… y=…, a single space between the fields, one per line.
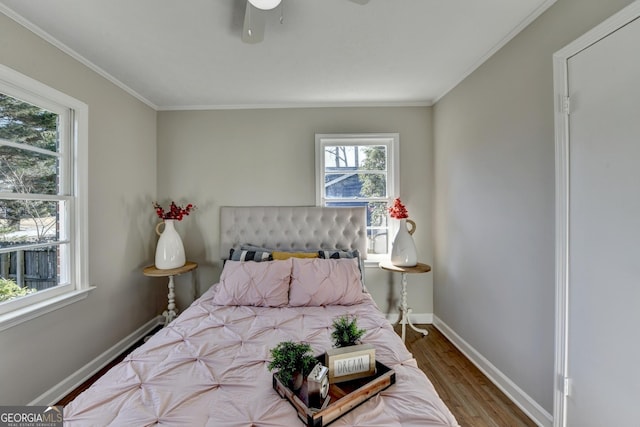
x=403 y=252
x=170 y=250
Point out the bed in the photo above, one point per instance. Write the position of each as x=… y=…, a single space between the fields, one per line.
x=209 y=366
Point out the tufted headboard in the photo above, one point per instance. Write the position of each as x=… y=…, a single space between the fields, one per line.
x=293 y=228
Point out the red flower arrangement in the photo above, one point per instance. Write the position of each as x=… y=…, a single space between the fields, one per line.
x=175 y=212
x=398 y=211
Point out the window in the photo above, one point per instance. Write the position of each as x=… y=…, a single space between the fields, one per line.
x=43 y=251
x=360 y=170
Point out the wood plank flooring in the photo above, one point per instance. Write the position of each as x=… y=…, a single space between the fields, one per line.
x=471 y=397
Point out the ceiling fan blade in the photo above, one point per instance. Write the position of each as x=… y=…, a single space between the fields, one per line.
x=253 y=28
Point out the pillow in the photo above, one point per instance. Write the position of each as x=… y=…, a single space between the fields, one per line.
x=264 y=284
x=337 y=254
x=246 y=255
x=287 y=255
x=317 y=282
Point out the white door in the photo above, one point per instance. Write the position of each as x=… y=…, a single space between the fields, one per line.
x=603 y=232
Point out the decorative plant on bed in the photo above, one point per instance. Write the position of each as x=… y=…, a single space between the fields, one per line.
x=293 y=362
x=349 y=359
x=346 y=332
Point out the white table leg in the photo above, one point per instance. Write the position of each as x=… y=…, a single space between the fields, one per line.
x=171 y=312
x=406 y=311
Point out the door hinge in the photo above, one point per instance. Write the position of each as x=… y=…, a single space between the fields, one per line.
x=566 y=386
x=566 y=105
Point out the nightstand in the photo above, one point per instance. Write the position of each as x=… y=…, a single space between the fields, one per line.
x=171 y=312
x=404 y=309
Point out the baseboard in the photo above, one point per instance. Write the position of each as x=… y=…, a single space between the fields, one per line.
x=57 y=392
x=416 y=318
x=508 y=387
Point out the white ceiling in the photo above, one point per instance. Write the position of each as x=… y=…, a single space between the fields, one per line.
x=188 y=54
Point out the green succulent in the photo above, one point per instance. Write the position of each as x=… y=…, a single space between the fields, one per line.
x=346 y=332
x=289 y=357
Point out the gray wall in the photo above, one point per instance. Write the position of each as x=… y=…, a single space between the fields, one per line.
x=267 y=157
x=494 y=200
x=40 y=353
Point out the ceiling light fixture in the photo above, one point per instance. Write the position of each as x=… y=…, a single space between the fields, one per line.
x=265 y=4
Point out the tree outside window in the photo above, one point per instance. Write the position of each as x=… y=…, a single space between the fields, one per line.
x=29 y=177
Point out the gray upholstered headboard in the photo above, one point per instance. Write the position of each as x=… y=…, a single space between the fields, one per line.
x=293 y=228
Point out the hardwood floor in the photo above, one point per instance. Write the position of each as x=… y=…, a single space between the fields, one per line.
x=471 y=397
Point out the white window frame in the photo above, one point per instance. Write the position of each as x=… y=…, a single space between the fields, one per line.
x=74 y=121
x=392 y=142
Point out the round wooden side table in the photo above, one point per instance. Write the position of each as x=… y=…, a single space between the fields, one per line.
x=404 y=309
x=152 y=271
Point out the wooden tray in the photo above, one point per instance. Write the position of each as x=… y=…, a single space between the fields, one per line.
x=343 y=396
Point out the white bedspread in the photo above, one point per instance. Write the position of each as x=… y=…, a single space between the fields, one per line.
x=209 y=368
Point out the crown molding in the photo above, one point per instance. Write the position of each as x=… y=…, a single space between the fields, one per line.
x=295 y=105
x=506 y=39
x=10 y=13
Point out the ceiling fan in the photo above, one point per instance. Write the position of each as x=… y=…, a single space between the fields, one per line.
x=254 y=18
x=255 y=15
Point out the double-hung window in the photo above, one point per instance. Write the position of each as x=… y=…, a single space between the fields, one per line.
x=360 y=170
x=43 y=250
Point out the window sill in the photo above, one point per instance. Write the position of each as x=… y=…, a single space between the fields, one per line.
x=373 y=260
x=14 y=318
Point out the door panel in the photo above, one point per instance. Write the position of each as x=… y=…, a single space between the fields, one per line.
x=604 y=232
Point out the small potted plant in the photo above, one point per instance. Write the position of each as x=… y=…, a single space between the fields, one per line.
x=349 y=359
x=293 y=362
x=346 y=332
